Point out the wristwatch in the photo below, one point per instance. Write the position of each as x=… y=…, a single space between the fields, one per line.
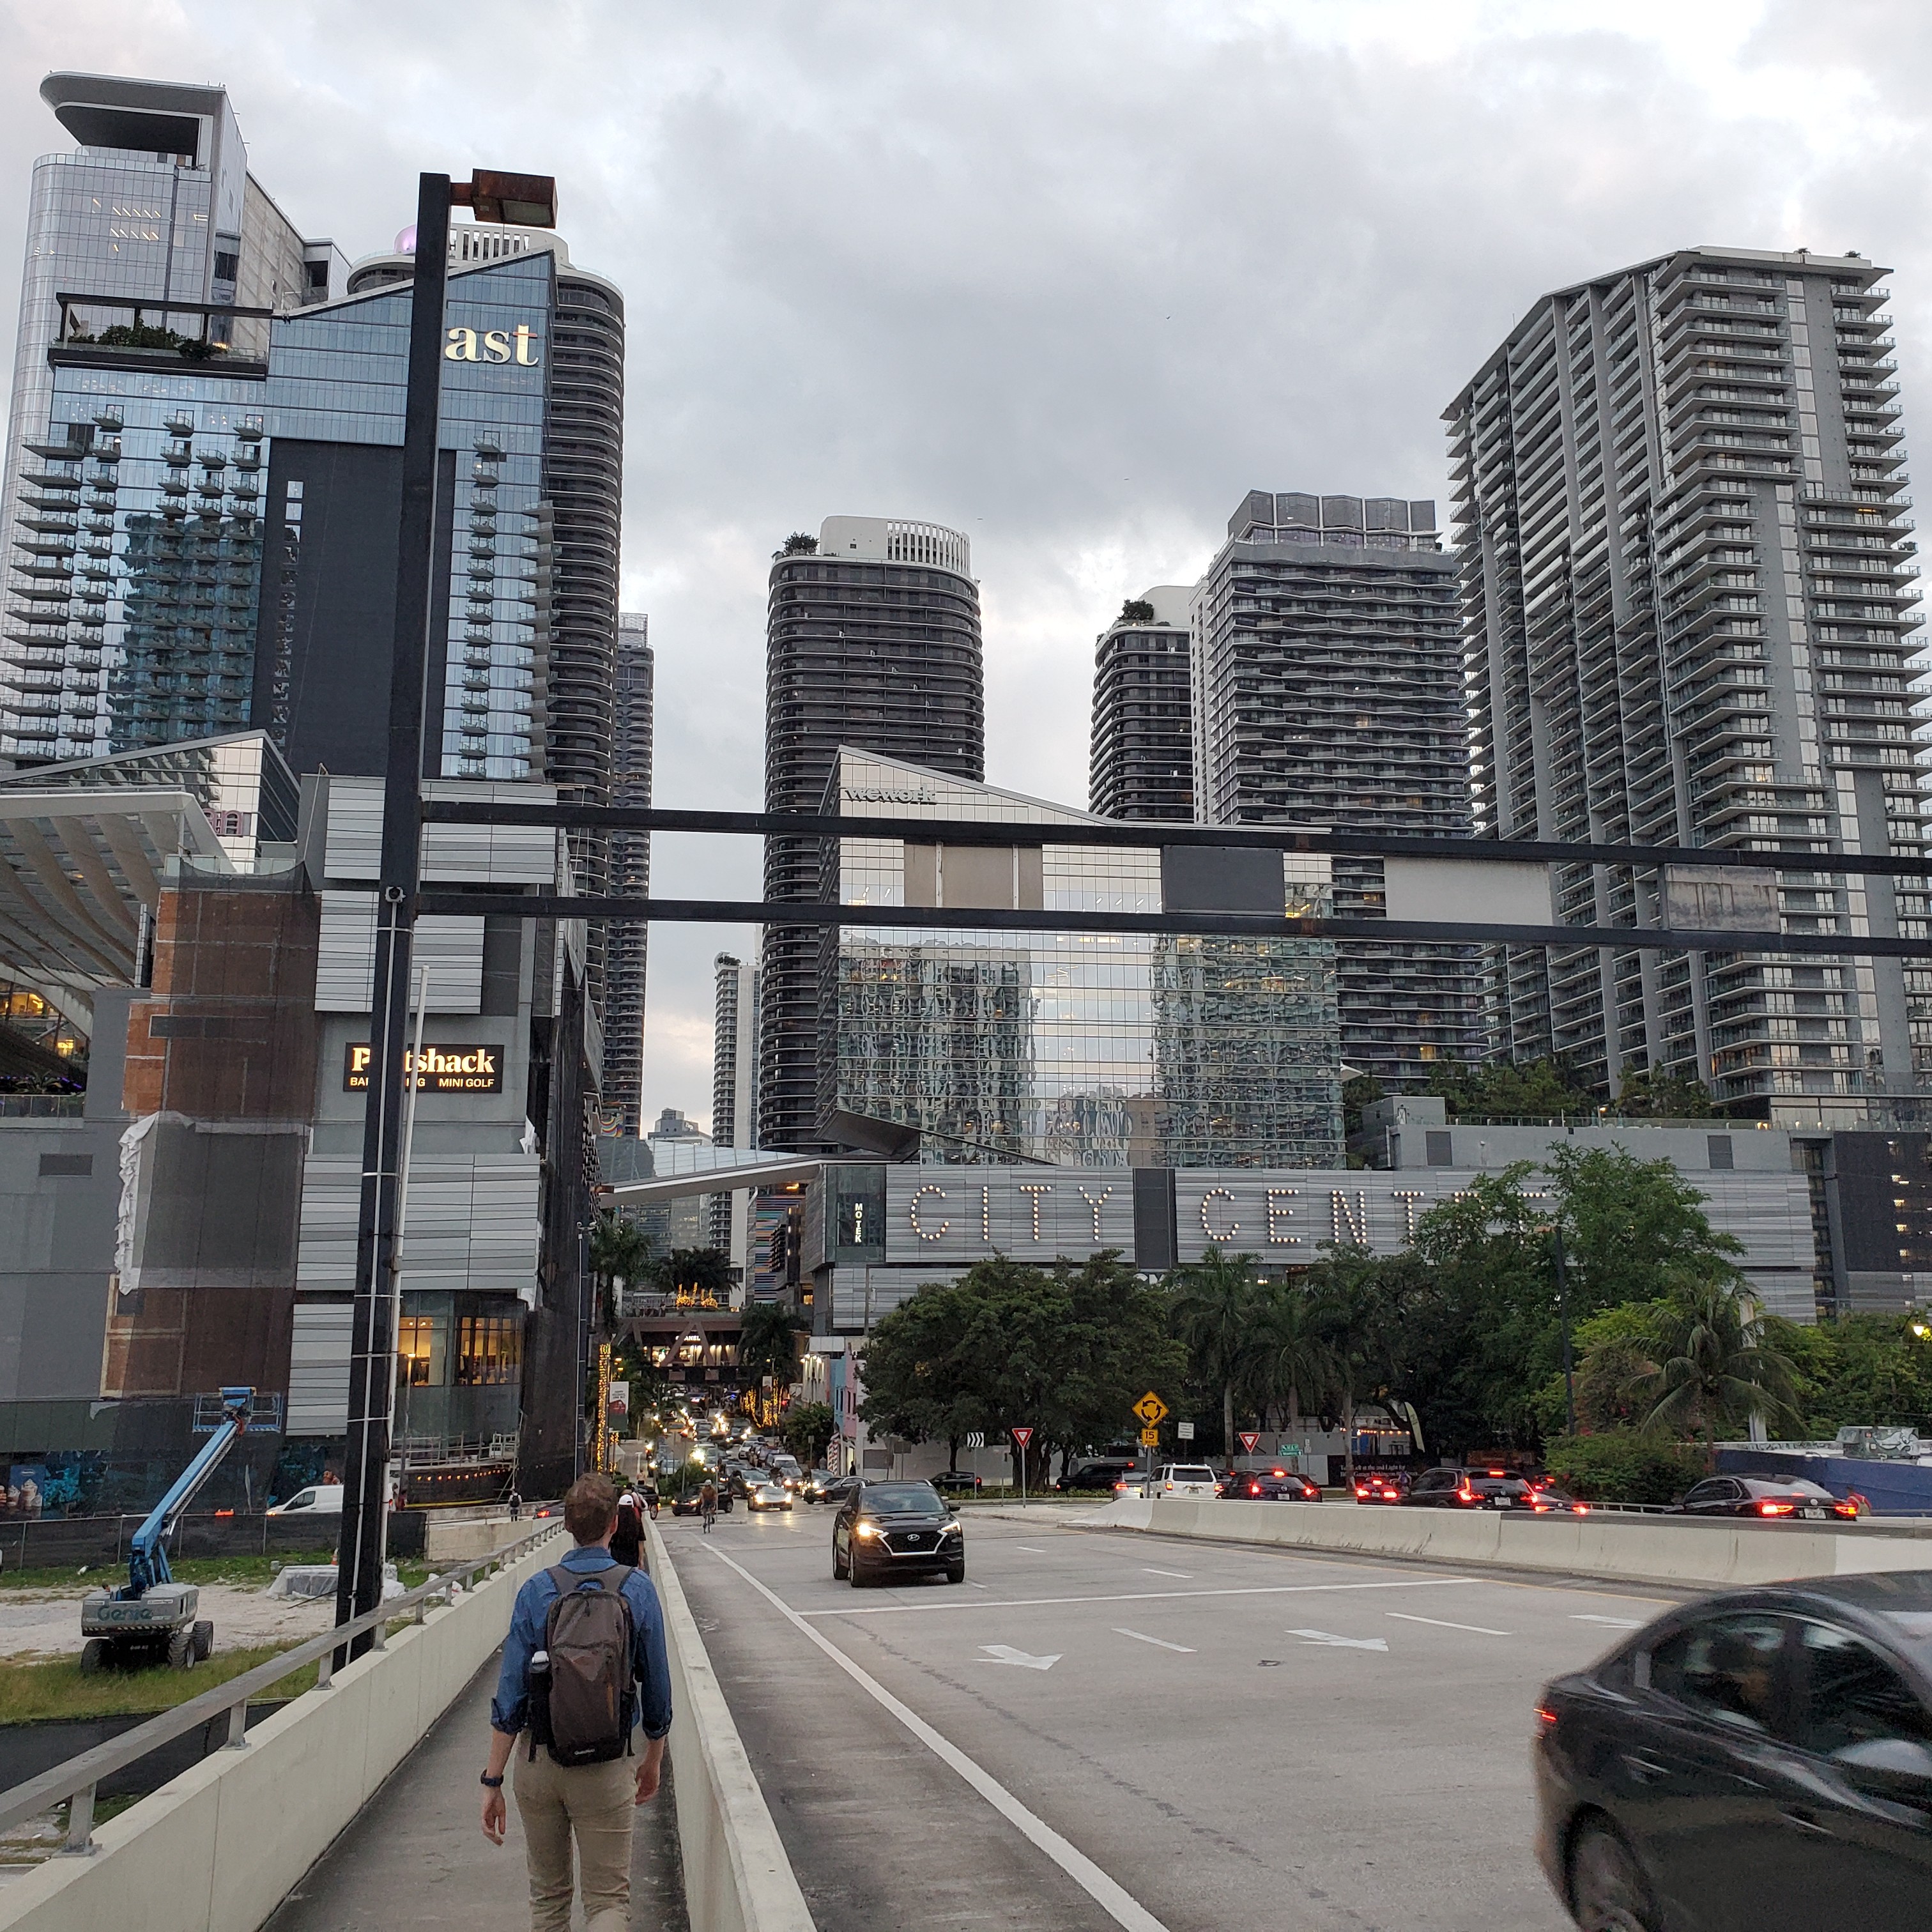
x=494 y=1783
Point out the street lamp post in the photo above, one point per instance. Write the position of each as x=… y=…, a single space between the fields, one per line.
x=531 y=200
x=1563 y=1317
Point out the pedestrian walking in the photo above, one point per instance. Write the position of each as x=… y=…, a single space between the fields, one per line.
x=583 y=1664
x=707 y=1503
x=516 y=1506
x=627 y=1538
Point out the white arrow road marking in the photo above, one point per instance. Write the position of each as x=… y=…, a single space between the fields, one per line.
x=1182 y=1576
x=1480 y=1630
x=1612 y=1623
x=1004 y=1653
x=1338 y=1642
x=1029 y=1549
x=1160 y=1643
x=926 y=1604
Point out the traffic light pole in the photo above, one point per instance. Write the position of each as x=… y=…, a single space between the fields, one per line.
x=372 y=1342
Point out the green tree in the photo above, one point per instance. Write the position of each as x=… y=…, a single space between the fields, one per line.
x=917 y=1377
x=768 y=1333
x=1288 y=1359
x=697 y=1271
x=1116 y=1346
x=1500 y=1090
x=1361 y=1091
x=1867 y=1368
x=1214 y=1304
x=1713 y=1367
x=1612 y=1347
x=807 y=1429
x=1657 y=1095
x=619 y=1253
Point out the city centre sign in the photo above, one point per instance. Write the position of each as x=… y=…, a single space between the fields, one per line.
x=463 y=1069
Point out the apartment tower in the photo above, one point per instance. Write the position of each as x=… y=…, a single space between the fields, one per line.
x=1687 y=610
x=734 y=1091
x=1141 y=762
x=871 y=641
x=625 y=946
x=1326 y=692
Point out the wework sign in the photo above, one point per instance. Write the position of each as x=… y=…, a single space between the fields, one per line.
x=442 y=1070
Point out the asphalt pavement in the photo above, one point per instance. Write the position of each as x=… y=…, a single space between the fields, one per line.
x=1106 y=1729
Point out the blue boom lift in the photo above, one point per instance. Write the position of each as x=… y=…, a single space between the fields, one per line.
x=151 y=1615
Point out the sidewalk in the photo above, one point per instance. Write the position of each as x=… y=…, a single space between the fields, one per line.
x=416 y=1855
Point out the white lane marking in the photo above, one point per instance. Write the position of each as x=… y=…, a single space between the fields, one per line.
x=1611 y=1623
x=1004 y=1653
x=1029 y=1549
x=1184 y=1576
x=1334 y=1642
x=1161 y=1642
x=1480 y=1630
x=1138 y=1597
x=1119 y=1906
x=971 y=1585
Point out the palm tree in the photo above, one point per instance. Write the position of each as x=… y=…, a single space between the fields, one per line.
x=768 y=1346
x=619 y=1251
x=1289 y=1356
x=1711 y=1366
x=1213 y=1312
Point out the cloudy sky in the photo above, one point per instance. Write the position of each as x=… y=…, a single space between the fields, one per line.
x=1070 y=278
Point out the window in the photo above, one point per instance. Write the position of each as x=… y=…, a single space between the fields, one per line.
x=415 y=1344
x=1717 y=1490
x=1853 y=1696
x=1725 y=1668
x=489 y=1350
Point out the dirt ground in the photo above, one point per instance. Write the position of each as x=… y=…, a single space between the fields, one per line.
x=47 y=1623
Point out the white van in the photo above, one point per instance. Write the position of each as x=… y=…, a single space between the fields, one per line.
x=1184 y=1479
x=318 y=1499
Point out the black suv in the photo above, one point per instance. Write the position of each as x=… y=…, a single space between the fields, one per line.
x=1099 y=1477
x=896 y=1529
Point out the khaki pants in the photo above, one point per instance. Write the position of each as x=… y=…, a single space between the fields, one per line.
x=597 y=1802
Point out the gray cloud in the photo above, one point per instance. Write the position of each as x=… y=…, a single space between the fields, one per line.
x=1072 y=278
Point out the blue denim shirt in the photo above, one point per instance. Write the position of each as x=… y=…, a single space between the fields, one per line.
x=508 y=1708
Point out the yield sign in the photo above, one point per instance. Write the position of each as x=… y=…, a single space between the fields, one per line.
x=1021 y=1437
x=1247 y=1438
x=1151 y=1409
x=1334 y=1642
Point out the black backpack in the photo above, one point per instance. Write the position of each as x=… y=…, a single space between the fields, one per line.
x=582 y=1710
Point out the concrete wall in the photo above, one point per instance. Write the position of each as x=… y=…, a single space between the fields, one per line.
x=736 y=1876
x=219 y=1847
x=1661 y=1549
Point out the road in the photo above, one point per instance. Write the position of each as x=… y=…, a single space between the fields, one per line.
x=1108 y=1729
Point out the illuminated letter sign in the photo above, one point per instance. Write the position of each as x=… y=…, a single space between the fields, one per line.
x=1096 y=1202
x=1036 y=1188
x=1233 y=1228
x=1279 y=1211
x=912 y=1211
x=493 y=345
x=464 y=1069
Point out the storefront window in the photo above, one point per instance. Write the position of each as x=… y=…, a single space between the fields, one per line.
x=489 y=1351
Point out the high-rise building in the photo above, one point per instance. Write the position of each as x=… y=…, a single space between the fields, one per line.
x=1687 y=617
x=155 y=264
x=626 y=945
x=1326 y=692
x=685 y=1222
x=1141 y=763
x=734 y=1090
x=872 y=640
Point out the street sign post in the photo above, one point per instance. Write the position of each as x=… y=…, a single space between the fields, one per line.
x=1248 y=1437
x=1150 y=1438
x=1151 y=1410
x=1185 y=1430
x=1021 y=1437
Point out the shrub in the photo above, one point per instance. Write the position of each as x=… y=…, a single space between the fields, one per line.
x=1624 y=1465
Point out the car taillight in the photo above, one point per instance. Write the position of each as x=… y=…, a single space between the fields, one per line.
x=1776 y=1509
x=1845 y=1509
x=1580 y=1509
x=1466 y=1496
x=1254 y=1489
x=1546 y=1719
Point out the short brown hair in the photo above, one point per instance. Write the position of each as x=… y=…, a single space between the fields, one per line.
x=589 y=1507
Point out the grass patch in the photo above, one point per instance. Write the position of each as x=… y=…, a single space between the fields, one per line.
x=56 y=1688
x=245 y=1570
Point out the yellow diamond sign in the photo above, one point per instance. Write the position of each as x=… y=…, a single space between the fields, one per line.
x=1151 y=1409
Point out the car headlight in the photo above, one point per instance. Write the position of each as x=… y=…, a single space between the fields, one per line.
x=867 y=1529
x=951 y=1529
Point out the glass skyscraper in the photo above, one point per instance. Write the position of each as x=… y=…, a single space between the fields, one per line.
x=1080 y=1049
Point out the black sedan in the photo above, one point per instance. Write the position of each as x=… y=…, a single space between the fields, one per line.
x=957 y=1483
x=1269 y=1486
x=1770 y=1498
x=1098 y=1478
x=1491 y=1489
x=819 y=1488
x=895 y=1530
x=1762 y=1759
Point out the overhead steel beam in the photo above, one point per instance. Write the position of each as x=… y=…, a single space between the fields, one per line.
x=1148 y=834
x=1210 y=925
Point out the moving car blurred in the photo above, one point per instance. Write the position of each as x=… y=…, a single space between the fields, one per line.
x=767 y=1496
x=1760 y=1759
x=957 y=1483
x=1370 y=1488
x=1099 y=1474
x=1767 y=1497
x=1271 y=1486
x=896 y=1529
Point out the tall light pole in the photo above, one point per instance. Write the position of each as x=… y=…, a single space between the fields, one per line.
x=1563 y=1317
x=530 y=200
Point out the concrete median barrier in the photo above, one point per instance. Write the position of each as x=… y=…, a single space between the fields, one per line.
x=737 y=1876
x=1633 y=1548
x=217 y=1849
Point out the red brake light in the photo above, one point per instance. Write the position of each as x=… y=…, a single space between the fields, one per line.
x=1768 y=1508
x=1465 y=1494
x=1546 y=1717
x=1277 y=1472
x=1495 y=1472
x=1580 y=1509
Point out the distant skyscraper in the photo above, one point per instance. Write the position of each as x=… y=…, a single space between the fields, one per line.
x=1142 y=763
x=871 y=640
x=734 y=1090
x=685 y=1226
x=625 y=946
x=1327 y=692
x=1687 y=620
x=153 y=262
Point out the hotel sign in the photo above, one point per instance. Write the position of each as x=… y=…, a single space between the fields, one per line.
x=461 y=1069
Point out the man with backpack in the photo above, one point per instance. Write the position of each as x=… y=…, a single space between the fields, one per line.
x=583 y=1663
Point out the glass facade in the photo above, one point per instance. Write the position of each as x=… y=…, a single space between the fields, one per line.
x=1081 y=1049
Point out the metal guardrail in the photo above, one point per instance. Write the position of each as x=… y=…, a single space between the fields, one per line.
x=79 y=1776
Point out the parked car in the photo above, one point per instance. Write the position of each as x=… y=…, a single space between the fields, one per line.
x=1100 y=1475
x=896 y=1529
x=1758 y=1758
x=958 y=1483
x=1372 y=1487
x=318 y=1499
x=1768 y=1497
x=1271 y=1486
x=767 y=1496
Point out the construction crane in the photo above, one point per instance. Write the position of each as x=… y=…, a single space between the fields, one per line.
x=151 y=1616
